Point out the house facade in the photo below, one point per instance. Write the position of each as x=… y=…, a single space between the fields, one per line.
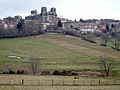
x=88 y=27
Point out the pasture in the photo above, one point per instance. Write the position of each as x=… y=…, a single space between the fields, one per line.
x=57 y=52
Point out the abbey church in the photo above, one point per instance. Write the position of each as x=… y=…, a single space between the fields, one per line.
x=44 y=16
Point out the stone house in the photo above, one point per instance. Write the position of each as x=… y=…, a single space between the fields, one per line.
x=3 y=25
x=88 y=27
x=71 y=25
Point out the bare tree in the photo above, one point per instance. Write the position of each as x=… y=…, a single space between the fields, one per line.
x=106 y=64
x=34 y=64
x=105 y=38
x=117 y=42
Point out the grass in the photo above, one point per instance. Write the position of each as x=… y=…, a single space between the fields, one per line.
x=56 y=52
x=60 y=88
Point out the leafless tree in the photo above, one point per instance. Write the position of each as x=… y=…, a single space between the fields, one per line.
x=34 y=64
x=106 y=64
x=105 y=38
x=117 y=42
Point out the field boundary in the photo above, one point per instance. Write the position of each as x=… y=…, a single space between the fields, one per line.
x=75 y=82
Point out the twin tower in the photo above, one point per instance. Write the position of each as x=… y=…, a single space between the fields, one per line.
x=44 y=16
x=44 y=11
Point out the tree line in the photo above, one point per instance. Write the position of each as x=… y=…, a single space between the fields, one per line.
x=106 y=66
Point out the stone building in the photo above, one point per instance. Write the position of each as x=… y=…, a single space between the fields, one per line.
x=14 y=20
x=3 y=25
x=88 y=27
x=44 y=16
x=70 y=25
x=77 y=26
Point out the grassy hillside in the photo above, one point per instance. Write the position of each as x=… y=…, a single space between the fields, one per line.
x=56 y=52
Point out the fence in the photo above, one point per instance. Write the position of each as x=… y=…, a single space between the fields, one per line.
x=74 y=82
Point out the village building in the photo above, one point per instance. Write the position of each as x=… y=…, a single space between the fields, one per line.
x=14 y=20
x=71 y=25
x=88 y=27
x=44 y=16
x=80 y=27
x=3 y=25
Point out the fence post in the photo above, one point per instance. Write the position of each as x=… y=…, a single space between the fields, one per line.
x=9 y=81
x=52 y=83
x=74 y=82
x=63 y=82
x=114 y=82
x=83 y=82
x=91 y=82
x=22 y=81
x=38 y=82
x=99 y=82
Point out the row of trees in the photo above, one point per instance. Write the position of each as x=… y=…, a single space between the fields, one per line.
x=104 y=39
x=106 y=65
x=113 y=41
x=94 y=20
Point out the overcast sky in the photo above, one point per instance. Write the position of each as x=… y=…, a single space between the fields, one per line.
x=71 y=9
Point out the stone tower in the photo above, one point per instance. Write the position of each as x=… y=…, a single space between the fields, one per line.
x=43 y=14
x=34 y=12
x=53 y=15
x=53 y=10
x=43 y=10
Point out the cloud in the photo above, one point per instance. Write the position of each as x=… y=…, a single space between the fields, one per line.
x=76 y=9
x=73 y=9
x=11 y=7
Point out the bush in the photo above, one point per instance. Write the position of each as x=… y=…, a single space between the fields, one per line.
x=45 y=73
x=57 y=73
x=20 y=71
x=4 y=72
x=11 y=72
x=65 y=73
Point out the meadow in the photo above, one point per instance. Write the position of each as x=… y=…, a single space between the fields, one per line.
x=55 y=51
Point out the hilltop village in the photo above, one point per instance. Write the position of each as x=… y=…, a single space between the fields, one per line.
x=59 y=51
x=46 y=21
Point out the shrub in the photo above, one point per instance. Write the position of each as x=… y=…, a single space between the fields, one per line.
x=20 y=71
x=57 y=73
x=4 y=72
x=11 y=72
x=45 y=73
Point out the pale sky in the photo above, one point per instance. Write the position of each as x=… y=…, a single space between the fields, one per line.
x=71 y=9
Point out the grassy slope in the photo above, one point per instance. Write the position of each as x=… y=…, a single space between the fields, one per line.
x=55 y=51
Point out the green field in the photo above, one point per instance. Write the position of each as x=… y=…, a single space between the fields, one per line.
x=55 y=51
